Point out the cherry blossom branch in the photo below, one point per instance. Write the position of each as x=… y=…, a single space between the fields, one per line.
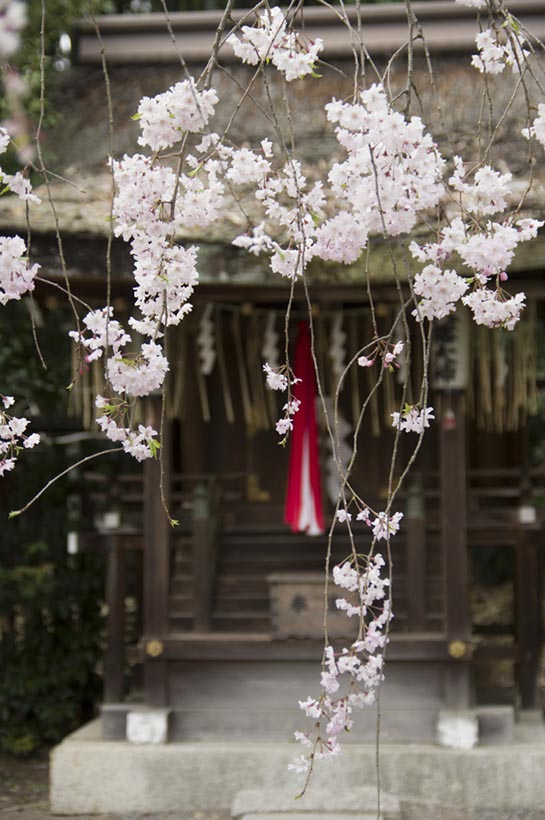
x=52 y=481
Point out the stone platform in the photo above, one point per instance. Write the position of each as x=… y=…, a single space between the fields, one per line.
x=93 y=776
x=356 y=803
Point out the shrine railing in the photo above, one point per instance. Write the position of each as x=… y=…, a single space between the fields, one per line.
x=505 y=517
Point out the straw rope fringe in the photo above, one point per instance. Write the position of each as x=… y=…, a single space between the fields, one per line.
x=502 y=389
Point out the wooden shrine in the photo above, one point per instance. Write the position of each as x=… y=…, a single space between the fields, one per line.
x=229 y=603
x=213 y=624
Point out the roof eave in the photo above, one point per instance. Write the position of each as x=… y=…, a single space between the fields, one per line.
x=144 y=38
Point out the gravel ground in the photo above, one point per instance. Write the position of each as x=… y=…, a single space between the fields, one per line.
x=24 y=786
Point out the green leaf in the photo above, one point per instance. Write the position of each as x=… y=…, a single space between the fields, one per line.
x=514 y=23
x=154 y=447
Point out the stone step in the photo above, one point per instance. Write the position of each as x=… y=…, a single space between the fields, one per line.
x=312 y=816
x=355 y=803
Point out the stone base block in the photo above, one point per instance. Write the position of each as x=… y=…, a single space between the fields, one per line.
x=457 y=729
x=147 y=725
x=113 y=717
x=496 y=724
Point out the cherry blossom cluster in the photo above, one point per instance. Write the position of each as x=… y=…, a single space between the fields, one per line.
x=413 y=420
x=105 y=333
x=495 y=308
x=393 y=172
x=165 y=118
x=282 y=379
x=12 y=436
x=293 y=206
x=140 y=443
x=134 y=374
x=488 y=249
x=152 y=203
x=495 y=55
x=386 y=524
x=16 y=274
x=165 y=273
x=131 y=375
x=484 y=246
x=271 y=40
x=350 y=677
x=20 y=185
x=388 y=352
x=139 y=374
x=487 y=194
x=537 y=129
x=12 y=21
x=383 y=524
x=440 y=291
x=16 y=183
x=276 y=378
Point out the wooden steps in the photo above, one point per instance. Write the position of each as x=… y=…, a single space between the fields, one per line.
x=249 y=553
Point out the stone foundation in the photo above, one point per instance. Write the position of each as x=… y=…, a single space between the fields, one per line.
x=93 y=776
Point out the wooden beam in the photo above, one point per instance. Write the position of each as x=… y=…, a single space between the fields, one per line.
x=426 y=648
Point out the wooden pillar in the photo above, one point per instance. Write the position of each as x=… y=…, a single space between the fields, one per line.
x=204 y=557
x=156 y=565
x=528 y=615
x=114 y=659
x=455 y=551
x=415 y=528
x=193 y=432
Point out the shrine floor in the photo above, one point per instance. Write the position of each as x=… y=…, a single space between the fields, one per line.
x=90 y=776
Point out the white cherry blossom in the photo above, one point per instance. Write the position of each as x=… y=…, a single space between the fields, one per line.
x=350 y=677
x=182 y=108
x=413 y=420
x=13 y=437
x=13 y=19
x=537 y=129
x=139 y=375
x=271 y=40
x=16 y=274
